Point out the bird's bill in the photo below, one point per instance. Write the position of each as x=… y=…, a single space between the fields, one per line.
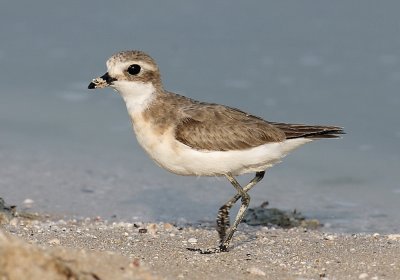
x=101 y=82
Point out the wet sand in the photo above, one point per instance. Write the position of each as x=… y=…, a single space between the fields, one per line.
x=95 y=249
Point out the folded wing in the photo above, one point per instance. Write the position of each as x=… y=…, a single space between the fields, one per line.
x=219 y=128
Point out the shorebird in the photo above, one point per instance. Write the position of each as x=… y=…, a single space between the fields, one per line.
x=189 y=137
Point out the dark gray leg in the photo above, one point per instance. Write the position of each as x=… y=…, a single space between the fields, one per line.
x=242 y=192
x=226 y=233
x=223 y=222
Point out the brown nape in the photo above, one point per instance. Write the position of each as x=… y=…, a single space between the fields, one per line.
x=309 y=131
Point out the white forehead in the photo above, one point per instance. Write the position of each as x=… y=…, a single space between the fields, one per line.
x=117 y=67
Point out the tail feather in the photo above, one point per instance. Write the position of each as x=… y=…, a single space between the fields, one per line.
x=309 y=131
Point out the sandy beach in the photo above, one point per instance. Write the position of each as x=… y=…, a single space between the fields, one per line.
x=93 y=248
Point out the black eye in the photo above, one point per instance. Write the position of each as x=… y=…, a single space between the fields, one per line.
x=134 y=69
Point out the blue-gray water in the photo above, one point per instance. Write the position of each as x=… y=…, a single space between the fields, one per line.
x=317 y=62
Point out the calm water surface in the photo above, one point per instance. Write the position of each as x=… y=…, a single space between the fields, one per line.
x=73 y=152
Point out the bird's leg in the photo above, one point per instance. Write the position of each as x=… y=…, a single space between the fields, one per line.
x=223 y=221
x=223 y=214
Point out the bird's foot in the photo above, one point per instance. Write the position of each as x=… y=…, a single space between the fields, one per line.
x=219 y=249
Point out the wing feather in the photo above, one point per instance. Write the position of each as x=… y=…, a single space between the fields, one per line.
x=214 y=127
x=220 y=128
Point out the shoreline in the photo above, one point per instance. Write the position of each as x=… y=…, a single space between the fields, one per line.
x=159 y=250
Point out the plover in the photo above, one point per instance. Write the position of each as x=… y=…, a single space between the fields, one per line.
x=189 y=137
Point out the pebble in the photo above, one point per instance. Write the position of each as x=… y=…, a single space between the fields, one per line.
x=329 y=237
x=394 y=236
x=192 y=240
x=363 y=276
x=168 y=227
x=28 y=203
x=256 y=271
x=54 y=241
x=14 y=222
x=152 y=229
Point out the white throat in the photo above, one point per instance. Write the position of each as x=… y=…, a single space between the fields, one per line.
x=137 y=95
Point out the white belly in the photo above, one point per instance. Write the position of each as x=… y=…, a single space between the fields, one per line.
x=181 y=159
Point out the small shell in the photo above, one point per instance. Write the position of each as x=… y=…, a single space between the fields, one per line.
x=99 y=82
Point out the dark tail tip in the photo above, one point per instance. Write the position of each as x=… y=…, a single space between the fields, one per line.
x=327 y=132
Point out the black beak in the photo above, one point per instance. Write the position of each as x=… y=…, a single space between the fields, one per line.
x=91 y=85
x=102 y=81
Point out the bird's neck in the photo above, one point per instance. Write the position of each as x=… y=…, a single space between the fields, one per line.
x=137 y=96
